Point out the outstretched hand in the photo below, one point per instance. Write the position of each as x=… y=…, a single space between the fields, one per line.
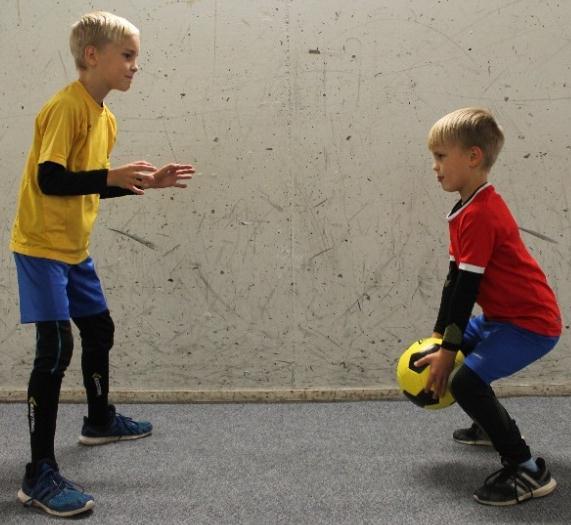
x=441 y=365
x=171 y=175
x=133 y=176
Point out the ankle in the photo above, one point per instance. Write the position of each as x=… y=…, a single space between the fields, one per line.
x=530 y=465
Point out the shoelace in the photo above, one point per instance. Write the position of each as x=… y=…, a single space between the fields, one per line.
x=509 y=474
x=46 y=490
x=126 y=423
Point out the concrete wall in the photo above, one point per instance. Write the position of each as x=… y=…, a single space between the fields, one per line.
x=311 y=247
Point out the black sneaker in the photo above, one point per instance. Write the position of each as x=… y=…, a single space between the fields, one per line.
x=514 y=484
x=474 y=435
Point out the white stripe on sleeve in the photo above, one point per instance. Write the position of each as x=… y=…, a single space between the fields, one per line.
x=471 y=268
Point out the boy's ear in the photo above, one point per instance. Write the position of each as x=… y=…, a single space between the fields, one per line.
x=90 y=55
x=476 y=156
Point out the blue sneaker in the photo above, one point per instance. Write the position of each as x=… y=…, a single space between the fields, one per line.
x=119 y=428
x=52 y=493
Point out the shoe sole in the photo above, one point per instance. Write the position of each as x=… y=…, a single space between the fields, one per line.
x=537 y=493
x=26 y=501
x=480 y=443
x=93 y=441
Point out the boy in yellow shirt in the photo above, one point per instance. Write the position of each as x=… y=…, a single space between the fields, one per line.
x=66 y=174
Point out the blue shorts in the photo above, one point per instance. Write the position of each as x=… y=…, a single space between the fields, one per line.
x=56 y=291
x=501 y=349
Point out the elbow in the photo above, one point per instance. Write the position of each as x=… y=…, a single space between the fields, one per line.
x=44 y=184
x=49 y=176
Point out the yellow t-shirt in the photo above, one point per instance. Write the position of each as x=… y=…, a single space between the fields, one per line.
x=76 y=132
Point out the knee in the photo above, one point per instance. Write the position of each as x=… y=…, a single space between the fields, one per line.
x=54 y=347
x=105 y=329
x=96 y=331
x=464 y=383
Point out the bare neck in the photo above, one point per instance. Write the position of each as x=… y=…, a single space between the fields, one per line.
x=475 y=182
x=94 y=86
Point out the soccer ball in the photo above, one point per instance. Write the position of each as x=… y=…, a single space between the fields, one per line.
x=412 y=379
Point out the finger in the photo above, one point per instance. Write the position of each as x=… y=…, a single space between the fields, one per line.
x=432 y=389
x=136 y=190
x=178 y=169
x=436 y=390
x=177 y=185
x=143 y=166
x=429 y=385
x=441 y=387
x=183 y=177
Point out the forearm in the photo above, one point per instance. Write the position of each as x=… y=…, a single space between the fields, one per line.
x=447 y=290
x=460 y=306
x=114 y=191
x=54 y=179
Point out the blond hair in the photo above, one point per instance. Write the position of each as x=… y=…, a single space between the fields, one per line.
x=97 y=29
x=469 y=127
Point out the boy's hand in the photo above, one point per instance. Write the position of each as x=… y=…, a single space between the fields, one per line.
x=441 y=365
x=134 y=176
x=171 y=175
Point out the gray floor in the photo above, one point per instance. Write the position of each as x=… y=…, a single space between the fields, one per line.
x=345 y=463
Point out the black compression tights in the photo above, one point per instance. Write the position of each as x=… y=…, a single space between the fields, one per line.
x=54 y=348
x=478 y=400
x=96 y=333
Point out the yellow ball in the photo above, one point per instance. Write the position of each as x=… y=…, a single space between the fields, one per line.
x=412 y=380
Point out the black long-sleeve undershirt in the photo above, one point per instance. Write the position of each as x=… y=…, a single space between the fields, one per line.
x=447 y=290
x=459 y=296
x=54 y=179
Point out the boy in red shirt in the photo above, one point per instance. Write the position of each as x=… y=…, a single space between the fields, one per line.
x=521 y=321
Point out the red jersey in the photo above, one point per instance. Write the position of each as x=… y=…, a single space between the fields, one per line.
x=485 y=239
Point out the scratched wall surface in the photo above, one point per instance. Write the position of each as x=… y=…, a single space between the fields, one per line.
x=311 y=245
